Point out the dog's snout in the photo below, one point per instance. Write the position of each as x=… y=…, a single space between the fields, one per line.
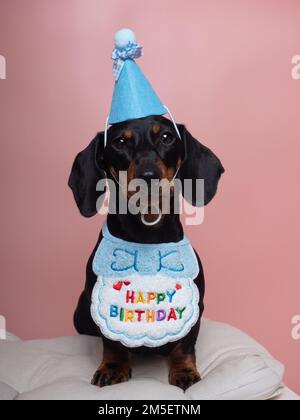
x=148 y=174
x=146 y=168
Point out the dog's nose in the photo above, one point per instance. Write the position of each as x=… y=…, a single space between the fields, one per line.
x=148 y=174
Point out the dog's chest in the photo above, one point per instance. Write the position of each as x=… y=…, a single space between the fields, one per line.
x=145 y=294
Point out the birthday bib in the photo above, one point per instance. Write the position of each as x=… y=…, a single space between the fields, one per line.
x=145 y=294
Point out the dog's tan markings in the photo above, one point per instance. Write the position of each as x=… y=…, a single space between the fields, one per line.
x=156 y=128
x=113 y=171
x=127 y=133
x=114 y=368
x=183 y=370
x=131 y=171
x=166 y=173
x=130 y=176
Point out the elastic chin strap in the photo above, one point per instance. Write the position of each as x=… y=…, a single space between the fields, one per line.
x=173 y=121
x=168 y=111
x=105 y=131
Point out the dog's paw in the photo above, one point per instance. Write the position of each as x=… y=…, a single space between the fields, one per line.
x=111 y=374
x=184 y=378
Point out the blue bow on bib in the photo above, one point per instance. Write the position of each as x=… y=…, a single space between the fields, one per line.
x=115 y=256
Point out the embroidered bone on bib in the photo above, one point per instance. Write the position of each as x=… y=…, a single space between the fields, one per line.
x=145 y=294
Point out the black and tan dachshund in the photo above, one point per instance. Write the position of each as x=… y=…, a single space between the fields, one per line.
x=147 y=148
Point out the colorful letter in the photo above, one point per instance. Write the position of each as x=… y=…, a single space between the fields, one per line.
x=180 y=311
x=139 y=313
x=113 y=311
x=160 y=297
x=170 y=295
x=129 y=296
x=161 y=315
x=150 y=316
x=140 y=298
x=129 y=315
x=172 y=315
x=122 y=314
x=151 y=296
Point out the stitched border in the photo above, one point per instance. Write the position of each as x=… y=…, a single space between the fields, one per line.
x=146 y=340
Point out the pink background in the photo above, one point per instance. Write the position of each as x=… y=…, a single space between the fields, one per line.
x=223 y=68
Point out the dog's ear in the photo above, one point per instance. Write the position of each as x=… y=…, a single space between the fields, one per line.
x=87 y=170
x=199 y=163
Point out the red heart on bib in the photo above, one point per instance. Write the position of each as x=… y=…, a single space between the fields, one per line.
x=118 y=286
x=127 y=283
x=178 y=286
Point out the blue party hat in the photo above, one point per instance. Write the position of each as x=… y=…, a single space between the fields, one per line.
x=133 y=95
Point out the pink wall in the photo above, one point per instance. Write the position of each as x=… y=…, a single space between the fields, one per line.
x=224 y=68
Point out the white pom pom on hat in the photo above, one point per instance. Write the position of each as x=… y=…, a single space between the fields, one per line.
x=123 y=37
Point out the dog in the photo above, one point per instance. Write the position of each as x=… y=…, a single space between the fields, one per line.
x=147 y=148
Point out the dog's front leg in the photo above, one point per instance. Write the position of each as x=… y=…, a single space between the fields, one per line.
x=183 y=370
x=114 y=367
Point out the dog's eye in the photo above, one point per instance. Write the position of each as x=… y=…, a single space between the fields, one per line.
x=167 y=138
x=119 y=142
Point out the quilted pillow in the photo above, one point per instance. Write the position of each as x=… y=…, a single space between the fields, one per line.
x=7 y=392
x=232 y=366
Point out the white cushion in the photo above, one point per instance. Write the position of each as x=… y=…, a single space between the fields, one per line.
x=82 y=390
x=7 y=392
x=287 y=395
x=232 y=366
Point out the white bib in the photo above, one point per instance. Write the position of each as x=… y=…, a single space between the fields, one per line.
x=145 y=294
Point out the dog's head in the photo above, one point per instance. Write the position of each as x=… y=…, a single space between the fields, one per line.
x=148 y=149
